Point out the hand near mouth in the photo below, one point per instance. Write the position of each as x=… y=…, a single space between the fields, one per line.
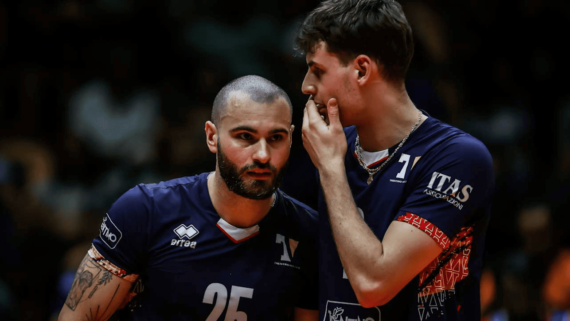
x=323 y=136
x=322 y=109
x=323 y=112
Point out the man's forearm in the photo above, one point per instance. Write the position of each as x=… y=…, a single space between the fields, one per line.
x=359 y=249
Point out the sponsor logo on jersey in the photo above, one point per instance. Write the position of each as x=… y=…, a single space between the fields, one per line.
x=344 y=311
x=285 y=258
x=109 y=233
x=185 y=234
x=445 y=187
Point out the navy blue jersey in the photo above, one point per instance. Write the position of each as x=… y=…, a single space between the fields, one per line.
x=196 y=266
x=440 y=181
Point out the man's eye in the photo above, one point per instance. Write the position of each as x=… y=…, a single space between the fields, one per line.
x=244 y=136
x=277 y=138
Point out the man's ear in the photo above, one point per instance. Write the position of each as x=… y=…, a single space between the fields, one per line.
x=364 y=67
x=291 y=135
x=211 y=137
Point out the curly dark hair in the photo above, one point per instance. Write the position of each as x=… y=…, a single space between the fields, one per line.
x=377 y=28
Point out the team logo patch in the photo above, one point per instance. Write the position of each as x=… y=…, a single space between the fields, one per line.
x=287 y=253
x=185 y=233
x=344 y=311
x=109 y=232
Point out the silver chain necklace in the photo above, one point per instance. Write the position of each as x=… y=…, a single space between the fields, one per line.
x=373 y=171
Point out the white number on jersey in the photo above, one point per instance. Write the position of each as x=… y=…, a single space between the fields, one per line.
x=236 y=293
x=403 y=158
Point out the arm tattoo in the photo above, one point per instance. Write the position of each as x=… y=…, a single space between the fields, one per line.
x=91 y=316
x=95 y=316
x=102 y=281
x=115 y=293
x=84 y=279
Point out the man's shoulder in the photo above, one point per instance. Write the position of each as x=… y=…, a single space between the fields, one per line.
x=446 y=140
x=153 y=196
x=297 y=209
x=451 y=153
x=172 y=184
x=297 y=219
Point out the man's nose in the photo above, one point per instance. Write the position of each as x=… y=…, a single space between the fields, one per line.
x=262 y=154
x=307 y=88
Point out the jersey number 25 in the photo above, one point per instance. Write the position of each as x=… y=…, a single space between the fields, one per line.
x=236 y=293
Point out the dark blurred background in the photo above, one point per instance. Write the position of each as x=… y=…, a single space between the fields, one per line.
x=97 y=96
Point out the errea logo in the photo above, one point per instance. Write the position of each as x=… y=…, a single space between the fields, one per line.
x=183 y=232
x=186 y=231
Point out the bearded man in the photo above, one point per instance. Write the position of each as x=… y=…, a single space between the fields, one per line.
x=225 y=245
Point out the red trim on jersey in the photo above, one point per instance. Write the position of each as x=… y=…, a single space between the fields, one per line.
x=373 y=164
x=107 y=265
x=427 y=227
x=450 y=267
x=234 y=240
x=377 y=162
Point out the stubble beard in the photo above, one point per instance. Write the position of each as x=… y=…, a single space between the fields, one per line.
x=257 y=189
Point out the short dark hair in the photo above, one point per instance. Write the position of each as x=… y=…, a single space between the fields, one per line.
x=377 y=28
x=259 y=89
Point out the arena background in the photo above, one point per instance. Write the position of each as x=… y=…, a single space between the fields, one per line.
x=97 y=96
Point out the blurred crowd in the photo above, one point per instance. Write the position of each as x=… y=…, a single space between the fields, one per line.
x=98 y=96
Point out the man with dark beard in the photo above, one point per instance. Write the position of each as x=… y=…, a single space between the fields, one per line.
x=226 y=245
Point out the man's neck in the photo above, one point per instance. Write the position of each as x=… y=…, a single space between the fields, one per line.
x=389 y=117
x=234 y=209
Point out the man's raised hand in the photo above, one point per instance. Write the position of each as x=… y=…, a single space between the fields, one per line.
x=323 y=137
